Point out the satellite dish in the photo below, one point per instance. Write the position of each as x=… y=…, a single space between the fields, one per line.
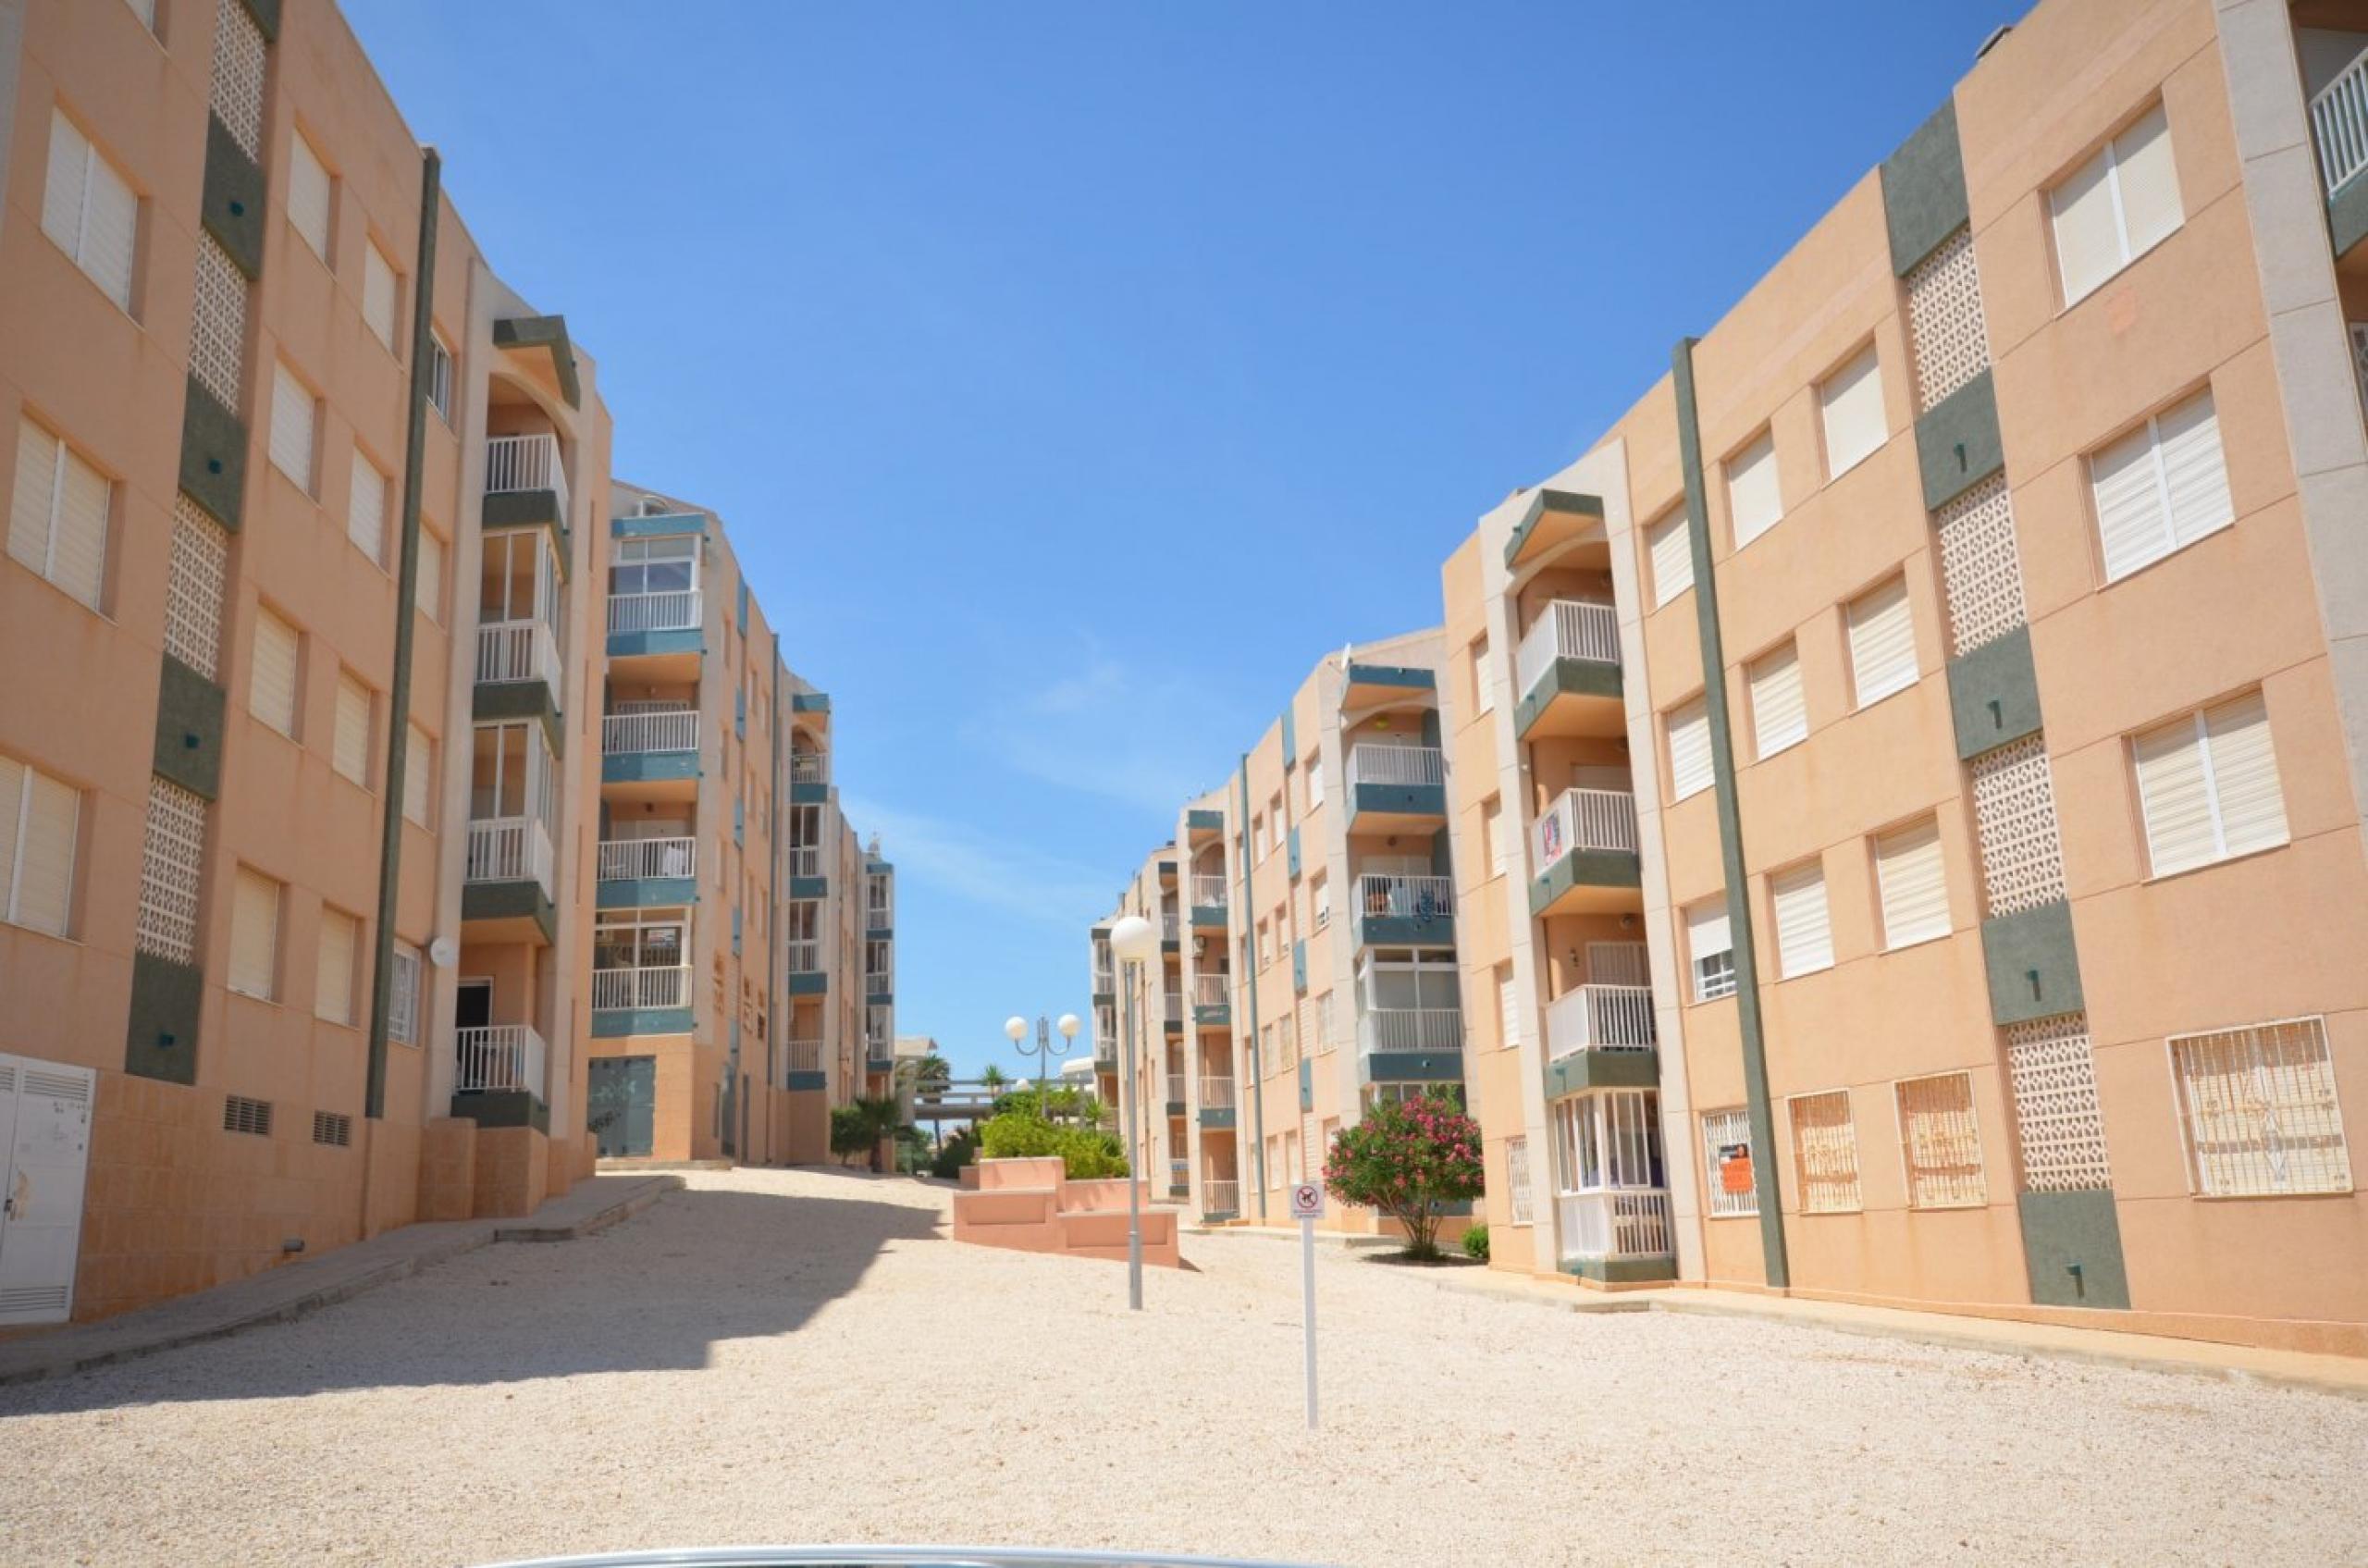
x=442 y=951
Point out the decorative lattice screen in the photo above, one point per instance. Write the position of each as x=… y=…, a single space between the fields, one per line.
x=235 y=97
x=1944 y=321
x=2014 y=811
x=1980 y=570
x=2057 y=1120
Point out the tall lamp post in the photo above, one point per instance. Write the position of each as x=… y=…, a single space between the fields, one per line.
x=1015 y=1029
x=1135 y=941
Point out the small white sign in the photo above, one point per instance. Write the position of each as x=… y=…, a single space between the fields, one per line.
x=1307 y=1200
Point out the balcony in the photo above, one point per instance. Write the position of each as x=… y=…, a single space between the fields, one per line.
x=1208 y=902
x=803 y=958
x=499 y=1058
x=1105 y=984
x=1172 y=1009
x=809 y=776
x=802 y=1060
x=652 y=746
x=662 y=631
x=1567 y=671
x=1220 y=1198
x=1416 y=1044
x=879 y=918
x=1600 y=1037
x=1176 y=1093
x=1617 y=1234
x=647 y=872
x=525 y=482
x=641 y=1001
x=1179 y=1179
x=2339 y=132
x=506 y=891
x=1216 y=1101
x=1395 y=789
x=1405 y=910
x=1212 y=1000
x=1171 y=931
x=510 y=652
x=1583 y=855
x=880 y=984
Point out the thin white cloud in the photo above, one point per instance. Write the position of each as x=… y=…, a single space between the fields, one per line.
x=993 y=871
x=1109 y=729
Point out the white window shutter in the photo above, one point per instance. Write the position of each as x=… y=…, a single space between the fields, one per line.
x=39 y=819
x=255 y=934
x=62 y=191
x=2087 y=236
x=1754 y=502
x=333 y=973
x=271 y=685
x=1804 y=929
x=78 y=542
x=2244 y=775
x=308 y=195
x=1780 y=715
x=2150 y=182
x=378 y=295
x=419 y=768
x=2195 y=472
x=2125 y=485
x=350 y=750
x=1508 y=1006
x=365 y=516
x=402 y=996
x=34 y=498
x=110 y=230
x=1689 y=749
x=14 y=778
x=1708 y=933
x=1852 y=402
x=1672 y=553
x=291 y=427
x=1913 y=885
x=431 y=576
x=1883 y=643
x=2174 y=798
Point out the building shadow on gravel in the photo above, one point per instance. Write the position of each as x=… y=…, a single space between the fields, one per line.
x=655 y=1293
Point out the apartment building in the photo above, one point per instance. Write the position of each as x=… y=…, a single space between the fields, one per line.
x=296 y=886
x=1910 y=770
x=826 y=943
x=1148 y=999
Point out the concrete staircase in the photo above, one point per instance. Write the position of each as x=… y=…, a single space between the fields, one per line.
x=1030 y=1206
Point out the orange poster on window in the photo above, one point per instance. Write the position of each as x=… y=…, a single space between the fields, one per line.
x=1734 y=1170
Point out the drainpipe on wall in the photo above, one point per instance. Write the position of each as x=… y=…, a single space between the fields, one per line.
x=1257 y=1078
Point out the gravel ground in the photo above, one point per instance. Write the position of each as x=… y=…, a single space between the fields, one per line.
x=802 y=1356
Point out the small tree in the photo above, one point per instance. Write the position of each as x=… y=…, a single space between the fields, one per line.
x=879 y=1119
x=851 y=1133
x=1408 y=1158
x=928 y=1076
x=993 y=1078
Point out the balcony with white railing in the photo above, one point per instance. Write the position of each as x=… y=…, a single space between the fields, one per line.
x=1572 y=649
x=1615 y=1224
x=640 y=859
x=509 y=651
x=1179 y=1179
x=1583 y=853
x=663 y=610
x=508 y=849
x=1212 y=991
x=879 y=917
x=1409 y=1030
x=1175 y=1088
x=513 y=463
x=1106 y=982
x=803 y=955
x=806 y=859
x=2339 y=124
x=809 y=767
x=880 y=983
x=1600 y=1017
x=1216 y=1094
x=1171 y=927
x=1208 y=892
x=802 y=1056
x=639 y=733
x=1172 y=1007
x=1221 y=1196
x=1393 y=786
x=499 y=1057
x=1394 y=907
x=636 y=989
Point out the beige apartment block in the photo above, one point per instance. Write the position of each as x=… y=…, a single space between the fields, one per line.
x=1913 y=765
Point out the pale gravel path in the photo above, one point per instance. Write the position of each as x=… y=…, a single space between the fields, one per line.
x=802 y=1356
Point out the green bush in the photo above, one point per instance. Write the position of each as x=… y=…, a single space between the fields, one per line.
x=1084 y=1152
x=1475 y=1242
x=1408 y=1159
x=851 y=1133
x=956 y=1152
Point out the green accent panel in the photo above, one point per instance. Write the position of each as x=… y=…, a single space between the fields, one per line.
x=1175 y=1108
x=1583 y=1070
x=739 y=822
x=647 y=892
x=1167 y=868
x=1993 y=692
x=189 y=729
x=1957 y=444
x=2072 y=1245
x=1291 y=739
x=504 y=1107
x=214 y=456
x=509 y=900
x=1209 y=916
x=1171 y=1026
x=1586 y=868
x=870 y=929
x=740 y=714
x=1171 y=945
x=1101 y=996
x=1429 y=1066
x=620 y=1022
x=2348 y=215
x=160 y=1038
x=650 y=767
x=629 y=645
x=809 y=702
x=1298 y=967
x=525 y=509
x=1306 y=1084
x=1216 y=1116
x=743 y=627
x=809 y=887
x=1620 y=1271
x=232 y=202
x=1566 y=677
x=2034 y=967
x=808 y=792
x=1414 y=800
x=1198 y=819
x=808 y=982
x=1391 y=675
x=1291 y=853
x=666 y=525
x=1418 y=930
x=266 y=16
x=521 y=699
x=1924 y=199
x=1567 y=501
x=808 y=1080
x=544 y=332
x=1218 y=1017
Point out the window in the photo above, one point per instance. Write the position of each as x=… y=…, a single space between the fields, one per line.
x=1508 y=1008
x=2117 y=206
x=1492 y=835
x=1726 y=1148
x=350 y=745
x=254 y=935
x=379 y=296
x=430 y=587
x=1754 y=502
x=1883 y=643
x=308 y=195
x=1825 y=1153
x=1265 y=944
x=333 y=970
x=1672 y=553
x=1710 y=948
x=2208 y=788
x=1258 y=837
x=366 y=514
x=440 y=375
x=1319 y=899
x=402 y=996
x=2161 y=488
x=1780 y=714
x=294 y=414
x=1274 y=821
x=1323 y=1022
x=1804 y=929
x=1689 y=749
x=57 y=520
x=1850 y=400
x=1517 y=1189
x=1914 y=889
x=1314 y=783
x=1940 y=1143
x=88 y=209
x=2257 y=1107
x=40 y=820
x=271 y=679
x=1484 y=691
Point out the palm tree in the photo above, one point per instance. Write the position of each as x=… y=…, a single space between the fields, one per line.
x=882 y=1119
x=993 y=1078
x=928 y=1076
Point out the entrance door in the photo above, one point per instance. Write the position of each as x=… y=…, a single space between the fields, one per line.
x=473 y=1005
x=44 y=1149
x=620 y=1104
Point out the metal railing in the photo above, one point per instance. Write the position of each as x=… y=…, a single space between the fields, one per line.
x=1173 y=1004
x=1212 y=991
x=1410 y=1028
x=1614 y=1224
x=614 y=990
x=1567 y=628
x=804 y=956
x=1217 y=1091
x=627 y=735
x=668 y=610
x=1208 y=892
x=1171 y=928
x=630 y=859
x=802 y=1056
x=806 y=859
x=880 y=983
x=517 y=650
x=2339 y=124
x=1105 y=982
x=1585 y=818
x=879 y=917
x=1405 y=897
x=526 y=463
x=1600 y=1017
x=1175 y=1088
x=499 y=1056
x=508 y=849
x=809 y=767
x=1221 y=1197
x=1180 y=1175
x=1374 y=764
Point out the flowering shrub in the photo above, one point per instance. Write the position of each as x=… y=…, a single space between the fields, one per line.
x=1408 y=1158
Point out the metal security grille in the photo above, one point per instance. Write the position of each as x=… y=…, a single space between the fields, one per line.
x=333 y=1128
x=217 y=334
x=1944 y=321
x=2014 y=813
x=194 y=587
x=1940 y=1143
x=169 y=872
x=1980 y=570
x=2057 y=1120
x=242 y=1115
x=1726 y=1150
x=1517 y=1179
x=1825 y=1153
x=2258 y=1105
x=235 y=97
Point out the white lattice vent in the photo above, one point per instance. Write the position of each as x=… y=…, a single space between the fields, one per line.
x=169 y=862
x=236 y=96
x=1980 y=570
x=217 y=333
x=1944 y=321
x=193 y=587
x=2014 y=813
x=2057 y=1120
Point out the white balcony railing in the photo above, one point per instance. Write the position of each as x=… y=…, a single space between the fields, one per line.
x=1410 y=1028
x=629 y=735
x=1171 y=928
x=2339 y=124
x=804 y=956
x=500 y=1057
x=809 y=767
x=1175 y=1088
x=806 y=859
x=879 y=917
x=1212 y=991
x=669 y=610
x=1208 y=892
x=517 y=650
x=1600 y=1017
x=880 y=983
x=526 y=463
x=1173 y=1002
x=1585 y=818
x=1614 y=1224
x=630 y=859
x=1180 y=1175
x=1221 y=1196
x=802 y=1056
x=1105 y=982
x=614 y=990
x=1374 y=764
x=510 y=850
x=1405 y=897
x=1567 y=628
x=1217 y=1091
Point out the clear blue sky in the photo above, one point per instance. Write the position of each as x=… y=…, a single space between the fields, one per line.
x=1071 y=377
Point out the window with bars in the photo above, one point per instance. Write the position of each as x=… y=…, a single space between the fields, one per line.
x=1518 y=1193
x=1825 y=1152
x=40 y=820
x=2014 y=811
x=171 y=857
x=2207 y=786
x=1726 y=1154
x=241 y=1114
x=1938 y=1141
x=2059 y=1127
x=2258 y=1110
x=332 y=1127
x=90 y=211
x=58 y=514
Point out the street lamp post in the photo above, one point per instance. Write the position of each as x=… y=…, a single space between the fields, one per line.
x=1015 y=1029
x=1133 y=939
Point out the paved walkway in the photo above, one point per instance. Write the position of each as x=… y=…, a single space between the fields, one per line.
x=292 y=1289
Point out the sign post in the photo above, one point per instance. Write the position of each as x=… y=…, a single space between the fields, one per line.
x=1307 y=1207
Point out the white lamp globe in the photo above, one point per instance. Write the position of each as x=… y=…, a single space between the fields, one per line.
x=1134 y=939
x=1015 y=1029
x=1068 y=1026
